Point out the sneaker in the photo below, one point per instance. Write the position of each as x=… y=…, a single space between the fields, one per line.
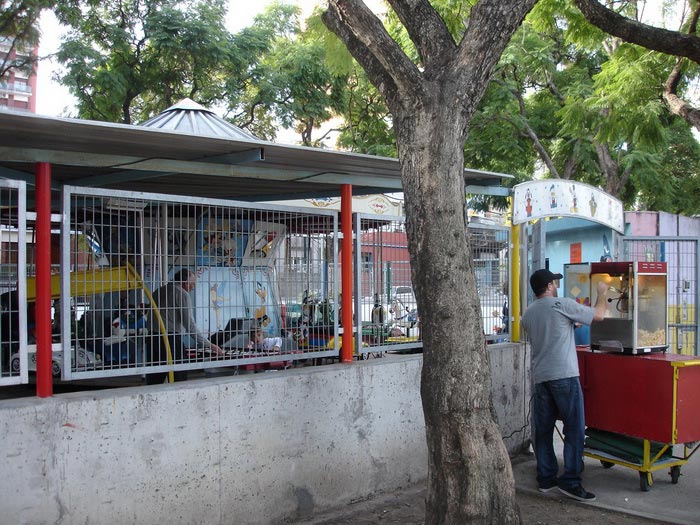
x=578 y=493
x=548 y=486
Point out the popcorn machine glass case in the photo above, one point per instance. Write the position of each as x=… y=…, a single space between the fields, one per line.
x=577 y=282
x=636 y=320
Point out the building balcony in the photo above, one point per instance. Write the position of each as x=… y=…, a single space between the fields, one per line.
x=15 y=88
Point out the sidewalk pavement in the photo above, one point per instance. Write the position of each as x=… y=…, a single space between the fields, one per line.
x=617 y=488
x=619 y=499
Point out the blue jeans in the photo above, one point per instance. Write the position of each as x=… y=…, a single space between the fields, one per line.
x=559 y=399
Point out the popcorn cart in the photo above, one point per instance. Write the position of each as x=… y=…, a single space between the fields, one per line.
x=637 y=315
x=641 y=404
x=641 y=411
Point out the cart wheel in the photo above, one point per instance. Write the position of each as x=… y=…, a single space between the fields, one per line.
x=607 y=464
x=675 y=474
x=646 y=480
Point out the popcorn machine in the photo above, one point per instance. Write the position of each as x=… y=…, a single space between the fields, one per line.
x=637 y=315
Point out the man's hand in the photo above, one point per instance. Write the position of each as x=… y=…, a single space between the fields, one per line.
x=216 y=349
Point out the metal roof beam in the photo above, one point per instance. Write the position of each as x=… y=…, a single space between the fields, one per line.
x=138 y=164
x=29 y=178
x=497 y=191
x=155 y=168
x=239 y=157
x=356 y=191
x=8 y=173
x=125 y=176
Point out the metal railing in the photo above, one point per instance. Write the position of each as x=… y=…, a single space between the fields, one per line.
x=389 y=317
x=16 y=87
x=13 y=300
x=386 y=311
x=490 y=249
x=681 y=256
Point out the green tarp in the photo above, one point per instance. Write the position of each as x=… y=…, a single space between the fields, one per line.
x=626 y=448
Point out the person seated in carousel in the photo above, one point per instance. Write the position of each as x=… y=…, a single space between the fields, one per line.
x=259 y=342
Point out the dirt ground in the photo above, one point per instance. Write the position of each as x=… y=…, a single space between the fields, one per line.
x=407 y=508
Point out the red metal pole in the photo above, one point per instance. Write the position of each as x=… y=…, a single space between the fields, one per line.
x=44 y=385
x=346 y=272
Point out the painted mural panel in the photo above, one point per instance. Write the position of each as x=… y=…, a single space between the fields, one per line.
x=561 y=198
x=258 y=287
x=221 y=241
x=218 y=297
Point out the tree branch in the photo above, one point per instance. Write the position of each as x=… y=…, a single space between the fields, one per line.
x=676 y=104
x=539 y=147
x=571 y=163
x=387 y=66
x=490 y=26
x=650 y=37
x=609 y=168
x=427 y=30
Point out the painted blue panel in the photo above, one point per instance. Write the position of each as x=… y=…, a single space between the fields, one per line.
x=218 y=297
x=595 y=243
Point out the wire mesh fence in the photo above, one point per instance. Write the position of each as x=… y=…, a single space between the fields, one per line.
x=389 y=315
x=154 y=284
x=490 y=249
x=384 y=298
x=162 y=284
x=13 y=305
x=681 y=256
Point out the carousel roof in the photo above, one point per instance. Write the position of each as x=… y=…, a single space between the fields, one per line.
x=189 y=117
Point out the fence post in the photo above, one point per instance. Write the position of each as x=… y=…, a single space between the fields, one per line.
x=44 y=385
x=514 y=312
x=346 y=272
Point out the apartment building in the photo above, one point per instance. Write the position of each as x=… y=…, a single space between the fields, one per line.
x=17 y=86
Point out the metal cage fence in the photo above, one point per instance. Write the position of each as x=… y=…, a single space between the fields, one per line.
x=13 y=300
x=490 y=250
x=389 y=317
x=159 y=284
x=386 y=311
x=681 y=256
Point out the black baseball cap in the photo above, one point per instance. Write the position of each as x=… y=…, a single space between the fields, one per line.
x=541 y=278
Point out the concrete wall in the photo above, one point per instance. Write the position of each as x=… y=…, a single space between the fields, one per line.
x=688 y=226
x=510 y=392
x=248 y=449
x=641 y=223
x=653 y=223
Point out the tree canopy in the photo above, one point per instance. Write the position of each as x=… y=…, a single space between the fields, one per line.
x=585 y=106
x=566 y=99
x=125 y=61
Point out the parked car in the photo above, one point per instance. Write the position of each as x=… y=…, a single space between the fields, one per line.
x=83 y=360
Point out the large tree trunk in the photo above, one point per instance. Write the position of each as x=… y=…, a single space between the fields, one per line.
x=469 y=474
